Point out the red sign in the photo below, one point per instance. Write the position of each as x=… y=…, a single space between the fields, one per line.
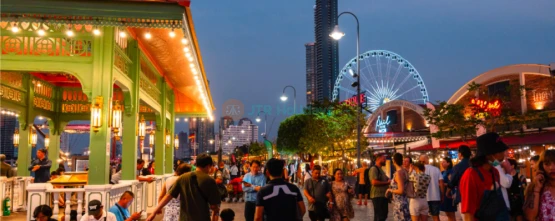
x=353 y=101
x=493 y=107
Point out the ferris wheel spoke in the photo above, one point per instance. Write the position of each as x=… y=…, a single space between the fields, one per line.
x=396 y=75
x=379 y=67
x=403 y=82
x=400 y=95
x=388 y=68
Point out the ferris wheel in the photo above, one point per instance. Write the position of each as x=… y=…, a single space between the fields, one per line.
x=385 y=76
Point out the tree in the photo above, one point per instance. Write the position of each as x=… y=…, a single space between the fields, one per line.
x=257 y=149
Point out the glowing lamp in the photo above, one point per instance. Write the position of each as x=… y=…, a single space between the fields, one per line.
x=151 y=138
x=33 y=138
x=176 y=141
x=258 y=119
x=148 y=35
x=337 y=34
x=172 y=34
x=46 y=141
x=96 y=114
x=122 y=34
x=16 y=138
x=168 y=138
x=142 y=128
x=283 y=97
x=15 y=29
x=96 y=31
x=41 y=32
x=116 y=117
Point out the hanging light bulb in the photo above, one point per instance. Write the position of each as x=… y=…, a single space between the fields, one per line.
x=122 y=34
x=96 y=31
x=184 y=41
x=41 y=32
x=168 y=138
x=172 y=34
x=176 y=142
x=148 y=35
x=142 y=128
x=15 y=29
x=116 y=117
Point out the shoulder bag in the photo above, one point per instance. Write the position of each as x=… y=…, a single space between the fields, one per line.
x=492 y=206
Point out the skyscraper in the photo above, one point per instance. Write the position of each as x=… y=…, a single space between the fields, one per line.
x=327 y=52
x=237 y=135
x=310 y=73
x=203 y=130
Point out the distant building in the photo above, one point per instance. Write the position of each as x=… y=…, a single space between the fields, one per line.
x=326 y=49
x=237 y=135
x=225 y=122
x=310 y=73
x=184 y=150
x=203 y=129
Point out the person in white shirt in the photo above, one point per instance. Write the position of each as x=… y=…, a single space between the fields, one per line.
x=234 y=171
x=96 y=213
x=435 y=189
x=506 y=173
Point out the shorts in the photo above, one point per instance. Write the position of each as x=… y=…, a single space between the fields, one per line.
x=434 y=207
x=418 y=206
x=362 y=189
x=315 y=216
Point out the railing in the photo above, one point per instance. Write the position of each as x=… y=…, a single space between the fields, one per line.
x=14 y=188
x=149 y=88
x=118 y=190
x=6 y=191
x=73 y=200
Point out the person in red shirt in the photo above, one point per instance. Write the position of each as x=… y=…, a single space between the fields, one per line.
x=491 y=151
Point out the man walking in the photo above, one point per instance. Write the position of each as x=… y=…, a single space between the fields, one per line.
x=435 y=189
x=363 y=187
x=317 y=192
x=279 y=200
x=197 y=193
x=380 y=183
x=458 y=171
x=252 y=182
x=41 y=167
x=121 y=208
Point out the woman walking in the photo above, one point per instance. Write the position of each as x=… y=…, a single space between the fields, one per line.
x=447 y=205
x=540 y=194
x=397 y=188
x=340 y=204
x=171 y=212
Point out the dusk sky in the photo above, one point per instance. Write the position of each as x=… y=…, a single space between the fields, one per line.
x=251 y=48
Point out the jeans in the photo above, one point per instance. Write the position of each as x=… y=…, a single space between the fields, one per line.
x=380 y=208
x=250 y=208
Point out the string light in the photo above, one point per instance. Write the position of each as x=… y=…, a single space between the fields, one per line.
x=122 y=34
x=148 y=35
x=96 y=31
x=41 y=32
x=184 y=41
x=15 y=29
x=172 y=34
x=70 y=32
x=186 y=49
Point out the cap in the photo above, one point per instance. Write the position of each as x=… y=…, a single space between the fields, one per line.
x=94 y=207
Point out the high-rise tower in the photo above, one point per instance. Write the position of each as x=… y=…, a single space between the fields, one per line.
x=327 y=52
x=310 y=73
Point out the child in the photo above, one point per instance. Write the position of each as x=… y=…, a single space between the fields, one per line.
x=227 y=215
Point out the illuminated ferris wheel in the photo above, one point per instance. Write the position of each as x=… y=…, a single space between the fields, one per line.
x=385 y=76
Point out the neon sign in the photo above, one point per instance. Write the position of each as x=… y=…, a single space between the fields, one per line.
x=381 y=125
x=493 y=107
x=353 y=101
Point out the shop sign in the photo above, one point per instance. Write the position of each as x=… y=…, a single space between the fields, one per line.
x=483 y=106
x=541 y=98
x=353 y=101
x=381 y=125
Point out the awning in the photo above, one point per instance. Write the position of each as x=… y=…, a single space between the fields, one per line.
x=532 y=139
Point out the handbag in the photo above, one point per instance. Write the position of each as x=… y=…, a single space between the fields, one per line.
x=320 y=208
x=492 y=206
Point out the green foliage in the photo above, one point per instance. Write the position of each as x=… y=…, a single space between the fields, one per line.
x=323 y=128
x=257 y=149
x=451 y=121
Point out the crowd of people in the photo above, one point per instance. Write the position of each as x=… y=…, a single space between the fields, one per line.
x=486 y=185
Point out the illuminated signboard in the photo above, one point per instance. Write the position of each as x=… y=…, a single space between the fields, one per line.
x=353 y=101
x=493 y=107
x=381 y=125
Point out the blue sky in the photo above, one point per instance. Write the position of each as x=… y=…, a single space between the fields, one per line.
x=252 y=49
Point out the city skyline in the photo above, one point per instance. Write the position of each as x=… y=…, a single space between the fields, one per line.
x=433 y=35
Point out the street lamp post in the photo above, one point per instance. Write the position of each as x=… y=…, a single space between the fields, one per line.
x=265 y=120
x=284 y=98
x=336 y=34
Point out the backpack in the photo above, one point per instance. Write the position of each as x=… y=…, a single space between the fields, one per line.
x=368 y=175
x=492 y=206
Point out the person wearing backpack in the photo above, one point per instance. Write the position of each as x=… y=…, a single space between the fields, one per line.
x=380 y=183
x=417 y=192
x=363 y=183
x=481 y=197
